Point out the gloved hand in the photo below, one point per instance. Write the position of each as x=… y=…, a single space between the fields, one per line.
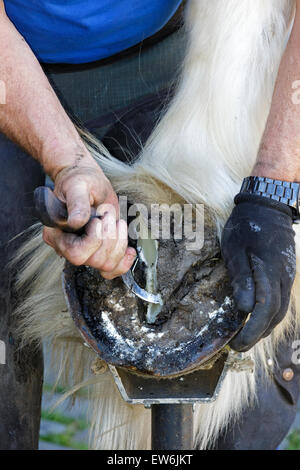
x=259 y=251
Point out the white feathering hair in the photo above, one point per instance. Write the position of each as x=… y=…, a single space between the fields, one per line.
x=204 y=145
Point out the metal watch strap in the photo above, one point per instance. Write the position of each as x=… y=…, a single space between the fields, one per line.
x=281 y=191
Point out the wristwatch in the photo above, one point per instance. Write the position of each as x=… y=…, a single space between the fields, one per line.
x=285 y=192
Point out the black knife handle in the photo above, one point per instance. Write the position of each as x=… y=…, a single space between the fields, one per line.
x=52 y=212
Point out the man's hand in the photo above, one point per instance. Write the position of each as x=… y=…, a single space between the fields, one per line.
x=104 y=246
x=259 y=251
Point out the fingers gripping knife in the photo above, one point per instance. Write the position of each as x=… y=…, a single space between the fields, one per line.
x=53 y=213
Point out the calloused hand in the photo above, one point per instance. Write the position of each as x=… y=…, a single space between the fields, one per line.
x=104 y=245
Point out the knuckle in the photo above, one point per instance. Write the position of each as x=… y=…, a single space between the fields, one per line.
x=76 y=260
x=91 y=238
x=244 y=304
x=107 y=276
x=46 y=237
x=108 y=266
x=119 y=253
x=76 y=257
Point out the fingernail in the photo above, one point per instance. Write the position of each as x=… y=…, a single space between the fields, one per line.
x=75 y=212
x=76 y=215
x=131 y=253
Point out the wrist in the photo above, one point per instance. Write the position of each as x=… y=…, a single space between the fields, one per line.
x=56 y=157
x=284 y=169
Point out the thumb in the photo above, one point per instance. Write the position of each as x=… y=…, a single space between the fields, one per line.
x=78 y=204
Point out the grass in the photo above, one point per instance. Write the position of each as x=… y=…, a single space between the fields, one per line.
x=294 y=440
x=65 y=440
x=83 y=393
x=51 y=389
x=63 y=419
x=72 y=426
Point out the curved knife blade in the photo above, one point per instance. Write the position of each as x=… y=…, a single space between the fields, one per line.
x=129 y=282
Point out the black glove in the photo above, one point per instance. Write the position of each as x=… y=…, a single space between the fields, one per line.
x=259 y=251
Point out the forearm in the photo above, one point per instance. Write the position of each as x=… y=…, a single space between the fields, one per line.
x=279 y=153
x=32 y=115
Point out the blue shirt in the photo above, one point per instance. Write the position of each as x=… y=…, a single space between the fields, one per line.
x=78 y=31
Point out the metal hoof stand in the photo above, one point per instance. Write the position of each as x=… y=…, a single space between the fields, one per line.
x=171 y=400
x=171 y=427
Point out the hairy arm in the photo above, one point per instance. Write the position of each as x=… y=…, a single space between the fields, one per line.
x=33 y=117
x=279 y=153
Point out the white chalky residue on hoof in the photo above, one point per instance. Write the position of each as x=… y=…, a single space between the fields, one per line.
x=112 y=332
x=116 y=305
x=180 y=347
x=134 y=346
x=254 y=227
x=200 y=333
x=227 y=301
x=220 y=310
x=145 y=329
x=213 y=314
x=153 y=336
x=153 y=354
x=110 y=328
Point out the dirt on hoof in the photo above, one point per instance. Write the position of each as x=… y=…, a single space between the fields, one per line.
x=197 y=319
